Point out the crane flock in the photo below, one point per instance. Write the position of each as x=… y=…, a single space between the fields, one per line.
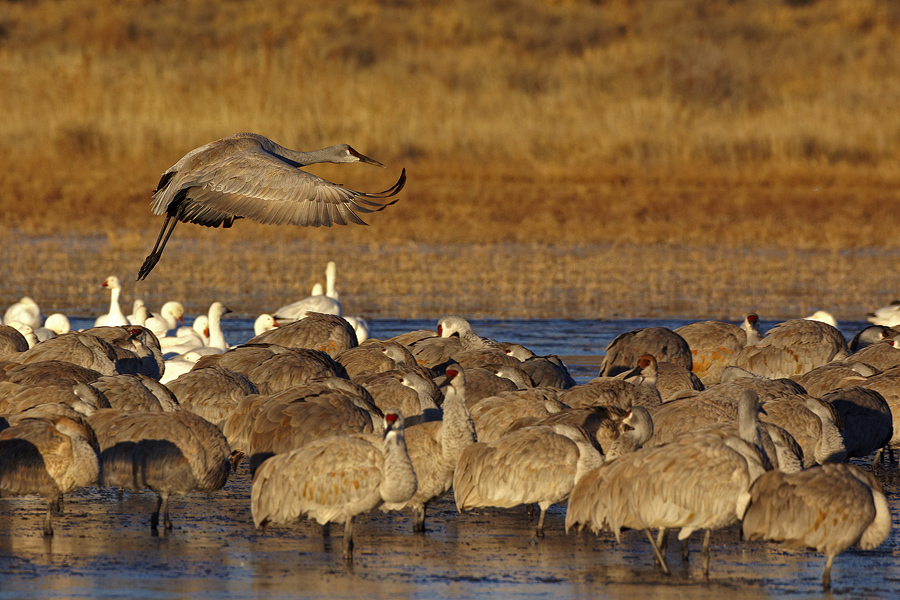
x=335 y=427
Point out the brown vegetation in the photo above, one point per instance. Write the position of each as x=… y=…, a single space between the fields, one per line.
x=547 y=143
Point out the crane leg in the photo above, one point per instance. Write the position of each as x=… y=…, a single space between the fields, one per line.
x=660 y=559
x=704 y=554
x=348 y=541
x=48 y=527
x=419 y=519
x=685 y=550
x=157 y=251
x=826 y=576
x=167 y=523
x=539 y=530
x=662 y=542
x=154 y=518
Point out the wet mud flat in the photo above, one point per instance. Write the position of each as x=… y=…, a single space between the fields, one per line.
x=103 y=548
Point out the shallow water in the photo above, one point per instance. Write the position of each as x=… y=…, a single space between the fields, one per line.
x=102 y=547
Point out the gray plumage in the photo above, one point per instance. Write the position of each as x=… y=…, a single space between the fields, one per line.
x=300 y=415
x=610 y=391
x=334 y=479
x=328 y=333
x=248 y=175
x=539 y=464
x=793 y=348
x=407 y=391
x=695 y=482
x=15 y=398
x=435 y=446
x=867 y=423
x=211 y=392
x=48 y=456
x=493 y=416
x=832 y=376
x=170 y=453
x=79 y=348
x=714 y=344
x=828 y=508
x=623 y=352
x=131 y=392
x=42 y=372
x=12 y=342
x=273 y=368
x=882 y=356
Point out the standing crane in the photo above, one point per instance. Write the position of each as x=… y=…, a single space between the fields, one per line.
x=828 y=508
x=334 y=479
x=248 y=175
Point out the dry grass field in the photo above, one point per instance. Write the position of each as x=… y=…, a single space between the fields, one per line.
x=566 y=158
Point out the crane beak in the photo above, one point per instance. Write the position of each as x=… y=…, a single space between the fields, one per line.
x=365 y=159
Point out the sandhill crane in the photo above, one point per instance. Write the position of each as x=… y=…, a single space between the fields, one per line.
x=408 y=391
x=300 y=415
x=886 y=315
x=882 y=355
x=719 y=411
x=503 y=354
x=26 y=311
x=435 y=447
x=887 y=384
x=374 y=356
x=248 y=175
x=547 y=371
x=454 y=335
x=211 y=392
x=674 y=381
x=813 y=424
x=273 y=368
x=328 y=333
x=48 y=457
x=12 y=342
x=715 y=343
x=171 y=453
x=483 y=383
x=129 y=392
x=695 y=482
x=493 y=416
x=826 y=378
x=15 y=398
x=538 y=464
x=793 y=348
x=334 y=479
x=828 y=508
x=137 y=349
x=115 y=316
x=870 y=335
x=42 y=372
x=79 y=348
x=866 y=418
x=615 y=431
x=625 y=350
x=609 y=391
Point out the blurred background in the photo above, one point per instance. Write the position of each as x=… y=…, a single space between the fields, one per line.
x=568 y=158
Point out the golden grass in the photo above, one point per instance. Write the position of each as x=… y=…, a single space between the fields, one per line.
x=576 y=133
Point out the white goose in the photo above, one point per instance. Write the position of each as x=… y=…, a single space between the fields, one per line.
x=115 y=316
